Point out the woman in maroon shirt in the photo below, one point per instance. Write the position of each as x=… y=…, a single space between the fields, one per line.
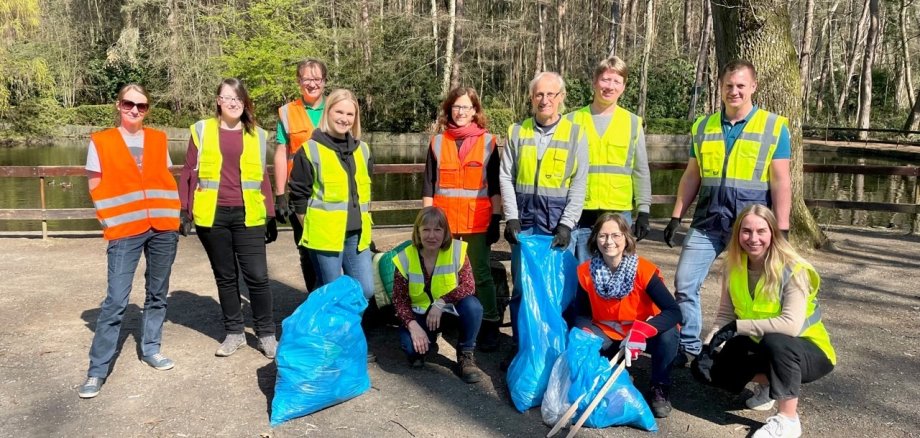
x=433 y=277
x=230 y=234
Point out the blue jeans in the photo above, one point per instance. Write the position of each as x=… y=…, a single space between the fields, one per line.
x=662 y=347
x=700 y=249
x=515 y=303
x=581 y=238
x=159 y=249
x=470 y=311
x=329 y=265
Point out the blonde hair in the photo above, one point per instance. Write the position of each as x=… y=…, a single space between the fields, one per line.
x=431 y=215
x=334 y=98
x=613 y=64
x=779 y=254
x=121 y=95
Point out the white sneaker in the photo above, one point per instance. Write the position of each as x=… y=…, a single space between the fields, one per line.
x=761 y=400
x=778 y=426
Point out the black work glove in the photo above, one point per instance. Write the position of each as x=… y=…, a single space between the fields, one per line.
x=725 y=333
x=494 y=226
x=562 y=235
x=669 y=231
x=640 y=226
x=271 y=230
x=185 y=223
x=282 y=207
x=701 y=367
x=512 y=228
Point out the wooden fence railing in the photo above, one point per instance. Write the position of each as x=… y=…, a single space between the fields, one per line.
x=44 y=214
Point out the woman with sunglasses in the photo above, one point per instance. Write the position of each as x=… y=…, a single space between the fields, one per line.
x=461 y=177
x=623 y=299
x=138 y=206
x=226 y=188
x=331 y=193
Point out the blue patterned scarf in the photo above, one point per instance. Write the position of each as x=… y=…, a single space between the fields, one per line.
x=616 y=284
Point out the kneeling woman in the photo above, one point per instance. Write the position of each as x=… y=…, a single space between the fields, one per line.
x=623 y=299
x=769 y=298
x=433 y=277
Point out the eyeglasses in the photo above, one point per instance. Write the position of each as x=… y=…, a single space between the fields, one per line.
x=230 y=99
x=548 y=96
x=306 y=81
x=127 y=105
x=461 y=108
x=611 y=236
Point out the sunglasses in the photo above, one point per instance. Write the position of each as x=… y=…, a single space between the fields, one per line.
x=127 y=105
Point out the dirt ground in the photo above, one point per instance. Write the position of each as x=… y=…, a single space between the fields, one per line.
x=50 y=293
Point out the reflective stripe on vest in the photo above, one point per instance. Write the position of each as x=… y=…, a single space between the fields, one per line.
x=611 y=159
x=326 y=217
x=297 y=125
x=462 y=188
x=128 y=200
x=206 y=137
x=444 y=276
x=616 y=316
x=731 y=182
x=542 y=183
x=767 y=304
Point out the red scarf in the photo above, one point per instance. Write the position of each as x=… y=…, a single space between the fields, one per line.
x=467 y=134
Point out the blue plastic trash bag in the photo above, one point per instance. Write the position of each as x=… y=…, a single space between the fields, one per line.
x=322 y=356
x=623 y=405
x=547 y=282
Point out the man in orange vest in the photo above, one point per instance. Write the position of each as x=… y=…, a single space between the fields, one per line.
x=137 y=203
x=296 y=121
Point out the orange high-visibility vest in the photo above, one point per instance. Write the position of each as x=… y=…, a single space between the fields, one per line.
x=462 y=190
x=299 y=128
x=615 y=317
x=130 y=201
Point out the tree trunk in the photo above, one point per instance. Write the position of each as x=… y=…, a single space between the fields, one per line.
x=760 y=31
x=688 y=13
x=827 y=67
x=905 y=78
x=858 y=28
x=366 y=32
x=541 y=45
x=865 y=89
x=434 y=31
x=805 y=54
x=616 y=22
x=702 y=56
x=335 y=36
x=646 y=51
x=458 y=45
x=560 y=36
x=449 y=47
x=913 y=118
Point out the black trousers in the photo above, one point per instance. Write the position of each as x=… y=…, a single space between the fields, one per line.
x=306 y=266
x=230 y=242
x=787 y=361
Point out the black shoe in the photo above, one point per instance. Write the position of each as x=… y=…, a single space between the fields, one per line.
x=417 y=361
x=488 y=337
x=661 y=403
x=683 y=359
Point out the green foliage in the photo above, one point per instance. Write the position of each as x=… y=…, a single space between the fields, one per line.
x=35 y=117
x=499 y=120
x=92 y=115
x=668 y=126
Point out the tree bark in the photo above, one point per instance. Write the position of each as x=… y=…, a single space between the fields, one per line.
x=646 y=51
x=760 y=31
x=913 y=118
x=865 y=89
x=905 y=78
x=616 y=22
x=805 y=54
x=366 y=32
x=449 y=47
x=335 y=32
x=688 y=13
x=434 y=31
x=541 y=45
x=561 y=6
x=702 y=56
x=858 y=28
x=458 y=45
x=827 y=67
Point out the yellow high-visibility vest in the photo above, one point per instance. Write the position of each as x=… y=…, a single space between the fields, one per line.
x=444 y=277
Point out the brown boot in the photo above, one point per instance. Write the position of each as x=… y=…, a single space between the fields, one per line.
x=469 y=372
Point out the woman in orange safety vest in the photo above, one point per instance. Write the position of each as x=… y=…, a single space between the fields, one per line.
x=461 y=177
x=623 y=299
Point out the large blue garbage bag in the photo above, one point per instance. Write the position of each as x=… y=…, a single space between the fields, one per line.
x=322 y=356
x=623 y=405
x=547 y=282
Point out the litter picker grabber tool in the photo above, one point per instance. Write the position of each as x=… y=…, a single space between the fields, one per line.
x=572 y=409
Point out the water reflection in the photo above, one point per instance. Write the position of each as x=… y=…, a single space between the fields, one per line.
x=71 y=192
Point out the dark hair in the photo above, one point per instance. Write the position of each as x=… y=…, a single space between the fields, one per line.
x=311 y=63
x=736 y=65
x=249 y=117
x=431 y=214
x=121 y=95
x=624 y=228
x=445 y=117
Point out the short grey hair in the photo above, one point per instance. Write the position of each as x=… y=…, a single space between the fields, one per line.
x=543 y=74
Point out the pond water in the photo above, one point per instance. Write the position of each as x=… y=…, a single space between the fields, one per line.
x=72 y=192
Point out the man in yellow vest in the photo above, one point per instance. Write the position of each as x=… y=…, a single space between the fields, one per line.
x=543 y=175
x=296 y=121
x=739 y=156
x=618 y=175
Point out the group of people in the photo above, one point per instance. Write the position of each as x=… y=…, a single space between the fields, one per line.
x=579 y=177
